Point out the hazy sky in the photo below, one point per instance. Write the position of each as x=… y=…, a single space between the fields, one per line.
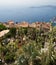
x=17 y=3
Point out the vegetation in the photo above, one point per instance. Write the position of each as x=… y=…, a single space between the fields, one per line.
x=2 y=27
x=28 y=46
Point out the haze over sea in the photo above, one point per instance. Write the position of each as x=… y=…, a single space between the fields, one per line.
x=29 y=14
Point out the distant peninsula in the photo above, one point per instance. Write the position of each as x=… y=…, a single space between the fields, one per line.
x=51 y=6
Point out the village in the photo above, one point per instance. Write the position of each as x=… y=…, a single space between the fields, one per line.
x=45 y=25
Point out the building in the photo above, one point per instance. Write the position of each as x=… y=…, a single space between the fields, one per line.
x=9 y=24
x=45 y=26
x=23 y=24
x=33 y=25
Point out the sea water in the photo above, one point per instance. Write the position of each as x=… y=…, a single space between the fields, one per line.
x=41 y=14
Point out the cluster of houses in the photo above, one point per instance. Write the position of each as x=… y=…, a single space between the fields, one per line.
x=45 y=25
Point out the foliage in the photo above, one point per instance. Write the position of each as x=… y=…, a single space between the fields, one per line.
x=13 y=32
x=33 y=52
x=8 y=52
x=2 y=27
x=29 y=53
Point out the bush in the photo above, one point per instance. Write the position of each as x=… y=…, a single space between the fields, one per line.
x=9 y=57
x=13 y=32
x=2 y=27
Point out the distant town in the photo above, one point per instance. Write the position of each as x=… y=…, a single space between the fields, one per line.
x=10 y=24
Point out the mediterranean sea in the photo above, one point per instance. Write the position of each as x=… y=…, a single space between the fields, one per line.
x=29 y=14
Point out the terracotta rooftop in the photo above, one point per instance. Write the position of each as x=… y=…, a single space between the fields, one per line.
x=32 y=25
x=23 y=24
x=26 y=24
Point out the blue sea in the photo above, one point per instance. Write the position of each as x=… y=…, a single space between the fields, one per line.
x=28 y=14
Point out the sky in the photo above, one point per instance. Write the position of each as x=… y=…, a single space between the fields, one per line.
x=22 y=3
x=11 y=8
